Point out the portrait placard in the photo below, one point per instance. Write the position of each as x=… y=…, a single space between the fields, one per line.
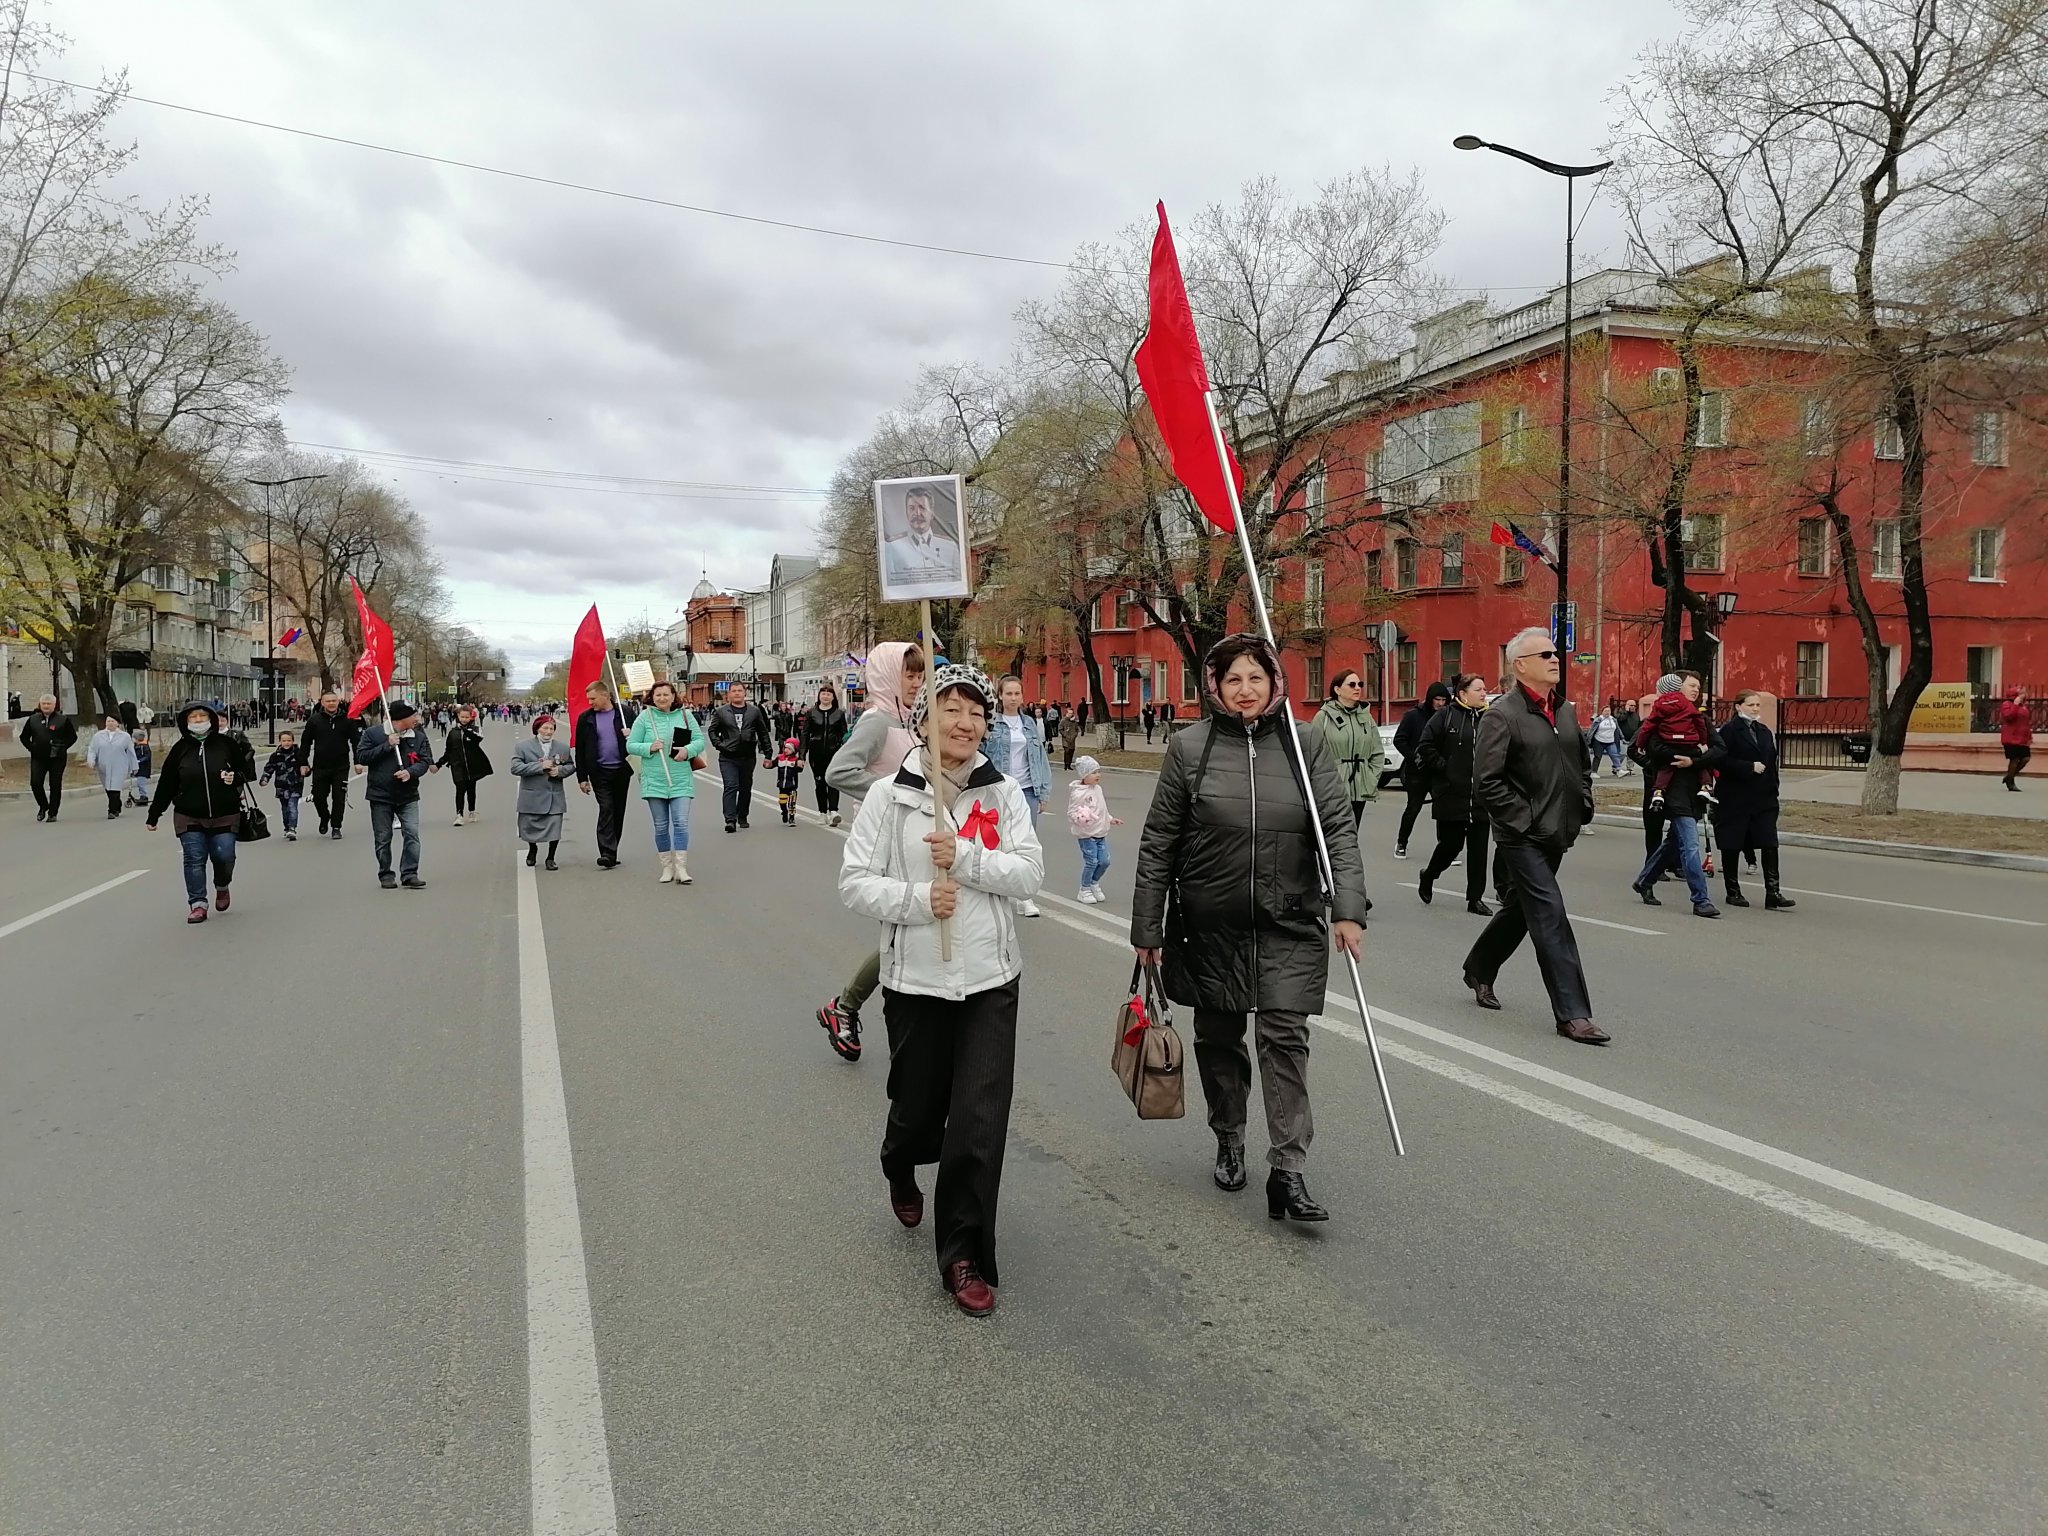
x=920 y=538
x=639 y=676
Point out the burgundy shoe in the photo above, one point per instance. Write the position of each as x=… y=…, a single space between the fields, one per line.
x=197 y=914
x=907 y=1201
x=221 y=899
x=1585 y=1031
x=971 y=1294
x=1482 y=992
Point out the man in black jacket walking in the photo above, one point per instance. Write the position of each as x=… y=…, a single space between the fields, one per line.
x=599 y=742
x=48 y=738
x=1533 y=779
x=329 y=747
x=397 y=755
x=1414 y=776
x=739 y=732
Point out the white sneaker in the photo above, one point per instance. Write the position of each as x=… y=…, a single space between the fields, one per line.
x=1085 y=895
x=458 y=821
x=832 y=820
x=1100 y=894
x=1028 y=909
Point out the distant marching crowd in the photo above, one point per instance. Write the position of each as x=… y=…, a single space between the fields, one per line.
x=1234 y=911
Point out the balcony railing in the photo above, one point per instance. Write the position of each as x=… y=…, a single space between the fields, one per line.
x=1525 y=321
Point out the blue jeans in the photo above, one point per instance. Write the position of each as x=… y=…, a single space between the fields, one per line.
x=671 y=823
x=382 y=814
x=289 y=806
x=1613 y=751
x=1679 y=850
x=1094 y=859
x=199 y=846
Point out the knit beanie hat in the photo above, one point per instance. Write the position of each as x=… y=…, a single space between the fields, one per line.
x=950 y=676
x=1083 y=766
x=1669 y=683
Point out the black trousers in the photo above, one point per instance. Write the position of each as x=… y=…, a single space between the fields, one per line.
x=1653 y=830
x=330 y=794
x=737 y=774
x=610 y=786
x=1534 y=909
x=1417 y=793
x=828 y=797
x=1470 y=836
x=952 y=1069
x=465 y=797
x=46 y=780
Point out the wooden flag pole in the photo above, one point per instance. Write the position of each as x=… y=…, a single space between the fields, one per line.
x=1315 y=819
x=934 y=772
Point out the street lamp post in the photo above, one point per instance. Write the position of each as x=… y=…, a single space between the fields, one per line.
x=270 y=598
x=1571 y=174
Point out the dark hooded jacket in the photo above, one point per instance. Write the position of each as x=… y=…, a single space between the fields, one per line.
x=1227 y=879
x=190 y=783
x=1408 y=734
x=1445 y=757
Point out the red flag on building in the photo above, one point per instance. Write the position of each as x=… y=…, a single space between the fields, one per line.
x=375 y=665
x=586 y=666
x=1175 y=381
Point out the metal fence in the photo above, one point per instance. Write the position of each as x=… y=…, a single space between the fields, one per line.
x=1984 y=710
x=1824 y=733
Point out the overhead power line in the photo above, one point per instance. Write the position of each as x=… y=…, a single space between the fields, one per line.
x=425 y=461
x=641 y=197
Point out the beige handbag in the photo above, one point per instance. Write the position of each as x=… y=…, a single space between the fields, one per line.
x=1146 y=1056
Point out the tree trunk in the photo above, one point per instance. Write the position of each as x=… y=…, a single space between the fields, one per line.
x=1888 y=725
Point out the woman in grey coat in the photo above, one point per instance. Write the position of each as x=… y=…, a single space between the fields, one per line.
x=111 y=755
x=543 y=767
x=1230 y=900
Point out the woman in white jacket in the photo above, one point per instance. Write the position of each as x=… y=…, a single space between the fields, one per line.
x=952 y=1021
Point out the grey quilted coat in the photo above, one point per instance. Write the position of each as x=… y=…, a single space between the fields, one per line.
x=1227 y=882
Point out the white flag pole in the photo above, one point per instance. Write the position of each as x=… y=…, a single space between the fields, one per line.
x=1315 y=819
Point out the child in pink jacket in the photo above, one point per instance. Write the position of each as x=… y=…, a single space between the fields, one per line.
x=1089 y=819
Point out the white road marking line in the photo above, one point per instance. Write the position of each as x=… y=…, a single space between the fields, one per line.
x=69 y=901
x=1580 y=917
x=1907 y=906
x=1092 y=921
x=569 y=1461
x=1939 y=1261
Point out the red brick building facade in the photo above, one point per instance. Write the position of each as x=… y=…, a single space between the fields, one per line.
x=1460 y=432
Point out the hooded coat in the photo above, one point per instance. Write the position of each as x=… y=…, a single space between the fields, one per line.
x=1227 y=877
x=190 y=784
x=881 y=738
x=1444 y=756
x=1408 y=734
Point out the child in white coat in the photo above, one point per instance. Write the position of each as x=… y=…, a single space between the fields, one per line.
x=1089 y=819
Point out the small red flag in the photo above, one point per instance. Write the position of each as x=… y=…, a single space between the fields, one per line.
x=374 y=666
x=586 y=666
x=1502 y=537
x=1175 y=381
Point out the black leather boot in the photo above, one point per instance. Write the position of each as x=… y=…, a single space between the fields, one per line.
x=1229 y=1165
x=1775 y=899
x=1287 y=1198
x=1735 y=896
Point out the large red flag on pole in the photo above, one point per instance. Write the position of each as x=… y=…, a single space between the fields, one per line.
x=375 y=665
x=586 y=666
x=1176 y=382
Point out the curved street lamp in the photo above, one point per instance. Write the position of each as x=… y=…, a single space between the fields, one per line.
x=1570 y=173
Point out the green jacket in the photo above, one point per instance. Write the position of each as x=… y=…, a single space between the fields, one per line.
x=665 y=777
x=1356 y=747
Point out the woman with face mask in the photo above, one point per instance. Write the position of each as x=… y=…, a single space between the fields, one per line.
x=949 y=999
x=1230 y=901
x=1746 y=820
x=111 y=756
x=201 y=784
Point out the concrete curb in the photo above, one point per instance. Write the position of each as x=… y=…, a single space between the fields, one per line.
x=2030 y=863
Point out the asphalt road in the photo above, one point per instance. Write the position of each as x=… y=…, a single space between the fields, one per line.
x=270 y=1191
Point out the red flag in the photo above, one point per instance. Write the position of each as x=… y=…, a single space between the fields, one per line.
x=375 y=665
x=1175 y=381
x=586 y=666
x=1502 y=537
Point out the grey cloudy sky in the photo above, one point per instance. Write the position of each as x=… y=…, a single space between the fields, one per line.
x=437 y=312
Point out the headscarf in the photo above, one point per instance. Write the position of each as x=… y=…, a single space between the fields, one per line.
x=1267 y=657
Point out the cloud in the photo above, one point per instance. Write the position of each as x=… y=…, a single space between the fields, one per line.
x=436 y=311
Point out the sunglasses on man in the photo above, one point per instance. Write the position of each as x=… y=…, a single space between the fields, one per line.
x=1539 y=655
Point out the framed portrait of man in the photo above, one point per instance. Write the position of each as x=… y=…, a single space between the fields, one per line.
x=920 y=538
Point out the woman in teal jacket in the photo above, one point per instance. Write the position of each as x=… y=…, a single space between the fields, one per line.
x=665 y=737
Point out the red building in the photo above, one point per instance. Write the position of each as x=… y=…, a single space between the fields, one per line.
x=1459 y=433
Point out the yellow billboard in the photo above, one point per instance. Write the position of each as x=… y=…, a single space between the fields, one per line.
x=1943 y=710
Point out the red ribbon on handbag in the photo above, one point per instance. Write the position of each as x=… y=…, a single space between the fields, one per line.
x=981 y=823
x=1139 y=1023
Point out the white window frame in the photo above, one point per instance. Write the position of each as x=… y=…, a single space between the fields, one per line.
x=1982 y=569
x=1190 y=689
x=1313 y=489
x=1312 y=594
x=1312 y=676
x=1816 y=427
x=1824 y=545
x=1711 y=431
x=1452 y=572
x=1514 y=427
x=1407 y=670
x=1514 y=564
x=1886 y=440
x=1820 y=654
x=1694 y=534
x=1884 y=549
x=1413 y=549
x=1987 y=439
x=1666 y=381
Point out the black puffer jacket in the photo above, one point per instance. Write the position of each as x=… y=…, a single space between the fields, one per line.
x=1445 y=754
x=1227 y=882
x=190 y=781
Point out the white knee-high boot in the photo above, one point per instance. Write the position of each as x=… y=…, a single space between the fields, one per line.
x=668 y=868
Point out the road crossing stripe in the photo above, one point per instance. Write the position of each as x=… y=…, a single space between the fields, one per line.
x=1580 y=917
x=568 y=1460
x=69 y=901
x=1907 y=906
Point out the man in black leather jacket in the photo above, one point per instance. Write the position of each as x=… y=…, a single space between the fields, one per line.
x=1532 y=777
x=739 y=733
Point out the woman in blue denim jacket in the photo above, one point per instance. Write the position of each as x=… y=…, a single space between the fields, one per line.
x=1016 y=745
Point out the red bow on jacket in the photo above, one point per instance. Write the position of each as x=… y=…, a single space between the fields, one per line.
x=981 y=823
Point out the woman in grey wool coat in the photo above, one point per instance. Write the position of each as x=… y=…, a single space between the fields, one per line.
x=543 y=767
x=1230 y=899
